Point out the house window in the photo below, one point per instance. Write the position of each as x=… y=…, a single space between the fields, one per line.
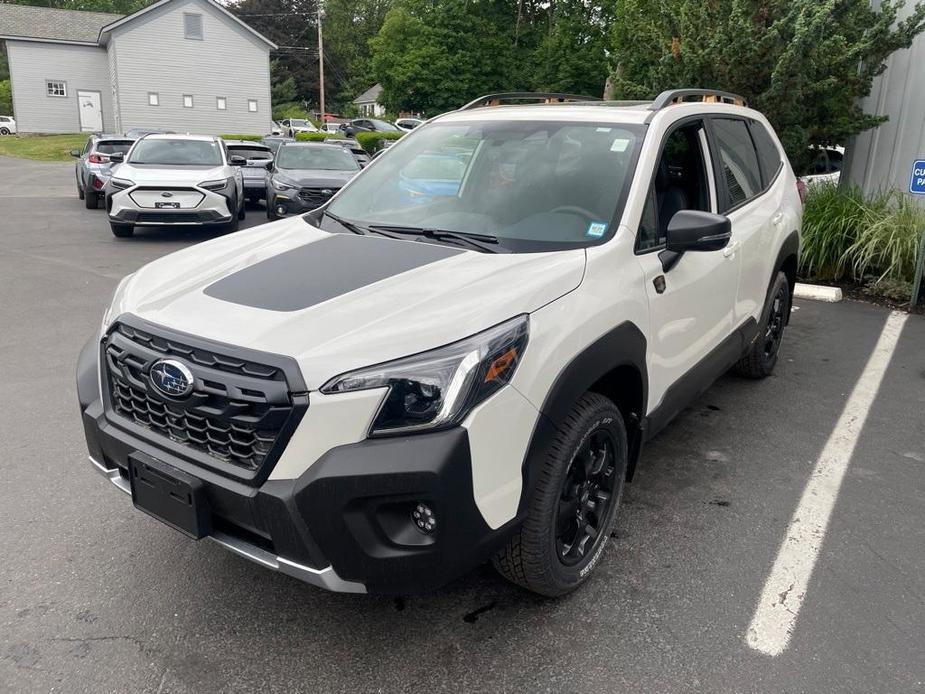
x=192 y=26
x=252 y=105
x=187 y=101
x=154 y=99
x=56 y=88
x=221 y=103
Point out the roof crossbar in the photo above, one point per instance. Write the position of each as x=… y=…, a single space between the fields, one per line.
x=707 y=96
x=545 y=97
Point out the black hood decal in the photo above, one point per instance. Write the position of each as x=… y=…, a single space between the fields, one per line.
x=316 y=272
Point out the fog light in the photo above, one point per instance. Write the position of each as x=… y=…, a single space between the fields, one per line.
x=424 y=518
x=280 y=210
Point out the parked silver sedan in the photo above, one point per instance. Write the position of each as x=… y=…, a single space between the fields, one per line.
x=93 y=165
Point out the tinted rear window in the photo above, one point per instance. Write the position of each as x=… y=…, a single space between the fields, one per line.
x=250 y=152
x=113 y=146
x=738 y=160
x=768 y=153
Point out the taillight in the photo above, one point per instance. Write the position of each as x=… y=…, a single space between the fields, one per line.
x=98 y=159
x=97 y=183
x=801 y=189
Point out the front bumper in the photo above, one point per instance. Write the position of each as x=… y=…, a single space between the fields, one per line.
x=211 y=208
x=290 y=201
x=345 y=524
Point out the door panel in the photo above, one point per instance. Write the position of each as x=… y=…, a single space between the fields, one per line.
x=91 y=111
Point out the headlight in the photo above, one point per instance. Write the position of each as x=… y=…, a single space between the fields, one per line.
x=214 y=185
x=281 y=185
x=114 y=309
x=437 y=389
x=121 y=183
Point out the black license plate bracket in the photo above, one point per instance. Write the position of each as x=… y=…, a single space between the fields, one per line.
x=169 y=495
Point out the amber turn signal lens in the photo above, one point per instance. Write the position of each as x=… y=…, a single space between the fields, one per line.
x=501 y=364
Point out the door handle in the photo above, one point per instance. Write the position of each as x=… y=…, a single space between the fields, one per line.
x=777 y=219
x=730 y=249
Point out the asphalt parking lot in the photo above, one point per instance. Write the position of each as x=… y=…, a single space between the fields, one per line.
x=96 y=597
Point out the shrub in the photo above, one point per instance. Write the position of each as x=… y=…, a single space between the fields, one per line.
x=372 y=142
x=848 y=236
x=314 y=137
x=247 y=138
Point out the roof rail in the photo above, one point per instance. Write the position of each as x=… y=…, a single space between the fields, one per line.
x=545 y=97
x=707 y=96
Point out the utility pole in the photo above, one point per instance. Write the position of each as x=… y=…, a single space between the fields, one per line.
x=321 y=62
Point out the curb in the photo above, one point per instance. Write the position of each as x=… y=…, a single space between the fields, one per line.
x=816 y=292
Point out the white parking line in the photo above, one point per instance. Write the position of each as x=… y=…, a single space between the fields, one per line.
x=784 y=591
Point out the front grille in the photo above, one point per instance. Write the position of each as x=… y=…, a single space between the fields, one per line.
x=316 y=196
x=234 y=415
x=168 y=217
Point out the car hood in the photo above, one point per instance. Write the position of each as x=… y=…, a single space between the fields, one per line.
x=315 y=177
x=337 y=302
x=156 y=174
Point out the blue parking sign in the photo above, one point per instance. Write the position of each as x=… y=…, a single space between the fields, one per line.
x=918 y=178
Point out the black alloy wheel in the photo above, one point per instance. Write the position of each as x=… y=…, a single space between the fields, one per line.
x=586 y=498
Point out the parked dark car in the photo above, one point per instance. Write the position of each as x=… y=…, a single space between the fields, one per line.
x=259 y=156
x=93 y=166
x=274 y=142
x=305 y=175
x=368 y=125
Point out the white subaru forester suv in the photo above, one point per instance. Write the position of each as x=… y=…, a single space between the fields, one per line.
x=460 y=356
x=175 y=179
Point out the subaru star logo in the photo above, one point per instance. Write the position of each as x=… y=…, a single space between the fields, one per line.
x=166 y=194
x=172 y=378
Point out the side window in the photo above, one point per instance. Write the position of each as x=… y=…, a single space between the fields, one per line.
x=680 y=183
x=738 y=160
x=88 y=146
x=768 y=153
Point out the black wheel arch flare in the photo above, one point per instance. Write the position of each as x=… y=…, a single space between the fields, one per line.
x=619 y=353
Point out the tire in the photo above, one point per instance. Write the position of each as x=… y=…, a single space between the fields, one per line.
x=121 y=230
x=91 y=200
x=4 y=131
x=271 y=213
x=761 y=358
x=550 y=554
x=242 y=211
x=80 y=191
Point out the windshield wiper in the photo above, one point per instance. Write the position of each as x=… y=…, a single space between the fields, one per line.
x=481 y=242
x=350 y=226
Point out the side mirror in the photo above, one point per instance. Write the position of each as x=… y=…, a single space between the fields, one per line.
x=237 y=160
x=695 y=231
x=75 y=153
x=117 y=157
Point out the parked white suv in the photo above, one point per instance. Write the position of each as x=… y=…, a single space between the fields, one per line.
x=460 y=356
x=7 y=125
x=175 y=179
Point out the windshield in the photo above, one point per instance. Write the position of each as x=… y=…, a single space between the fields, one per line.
x=307 y=157
x=301 y=124
x=177 y=152
x=113 y=146
x=536 y=185
x=250 y=152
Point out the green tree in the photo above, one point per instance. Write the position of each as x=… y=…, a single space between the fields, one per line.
x=6 y=98
x=348 y=27
x=804 y=63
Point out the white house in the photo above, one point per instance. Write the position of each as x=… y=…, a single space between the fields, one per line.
x=368 y=102
x=185 y=65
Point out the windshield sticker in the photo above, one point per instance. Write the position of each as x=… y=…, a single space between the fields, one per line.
x=619 y=144
x=596 y=229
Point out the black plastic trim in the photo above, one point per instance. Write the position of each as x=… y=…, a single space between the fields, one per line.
x=683 y=391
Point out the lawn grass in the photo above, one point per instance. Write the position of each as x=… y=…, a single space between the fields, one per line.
x=42 y=147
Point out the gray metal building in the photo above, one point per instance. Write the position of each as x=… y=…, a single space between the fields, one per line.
x=185 y=65
x=885 y=156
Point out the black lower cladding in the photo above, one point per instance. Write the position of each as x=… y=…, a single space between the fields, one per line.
x=352 y=509
x=181 y=217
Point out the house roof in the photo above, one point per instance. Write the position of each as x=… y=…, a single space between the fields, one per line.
x=50 y=24
x=27 y=22
x=370 y=95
